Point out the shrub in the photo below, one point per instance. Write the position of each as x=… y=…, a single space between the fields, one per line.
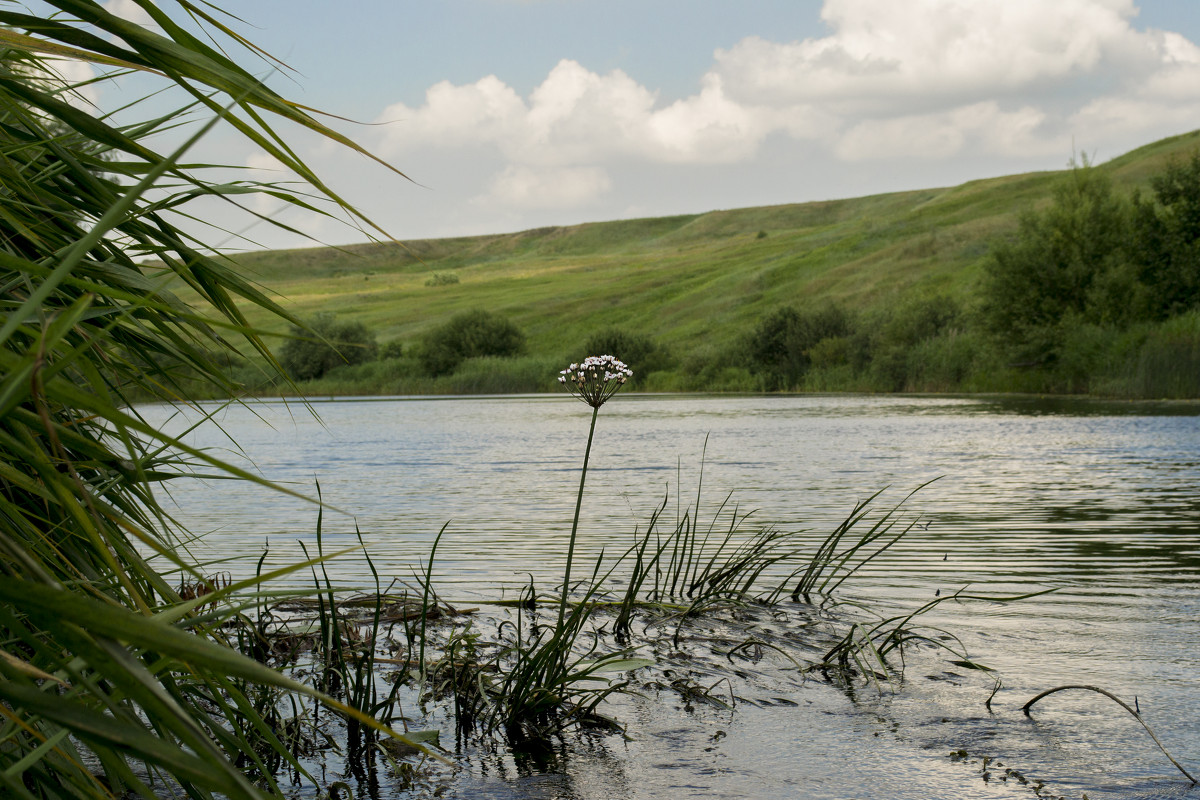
x=470 y=334
x=1166 y=241
x=944 y=362
x=637 y=350
x=921 y=319
x=392 y=349
x=780 y=346
x=1168 y=361
x=1056 y=262
x=324 y=344
x=442 y=279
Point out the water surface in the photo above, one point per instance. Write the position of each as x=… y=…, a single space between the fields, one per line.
x=1098 y=500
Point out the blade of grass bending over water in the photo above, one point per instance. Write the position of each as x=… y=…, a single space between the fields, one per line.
x=1025 y=709
x=876 y=642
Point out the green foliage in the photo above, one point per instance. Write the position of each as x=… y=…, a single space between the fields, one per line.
x=1061 y=265
x=111 y=679
x=1165 y=250
x=637 y=350
x=392 y=349
x=324 y=343
x=1166 y=362
x=1093 y=261
x=700 y=283
x=442 y=279
x=781 y=344
x=470 y=334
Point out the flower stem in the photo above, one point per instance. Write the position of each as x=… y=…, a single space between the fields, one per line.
x=562 y=605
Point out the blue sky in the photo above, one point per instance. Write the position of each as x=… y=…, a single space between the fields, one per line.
x=513 y=114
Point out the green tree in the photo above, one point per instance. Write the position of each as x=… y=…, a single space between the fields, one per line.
x=780 y=345
x=468 y=334
x=325 y=343
x=1166 y=242
x=637 y=350
x=1052 y=271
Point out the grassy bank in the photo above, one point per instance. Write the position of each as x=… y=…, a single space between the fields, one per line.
x=905 y=269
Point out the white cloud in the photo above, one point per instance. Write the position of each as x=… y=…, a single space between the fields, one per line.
x=981 y=128
x=922 y=78
x=129 y=10
x=576 y=116
x=883 y=53
x=525 y=187
x=455 y=115
x=74 y=74
x=896 y=95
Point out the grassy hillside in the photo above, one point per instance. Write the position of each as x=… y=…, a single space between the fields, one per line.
x=695 y=283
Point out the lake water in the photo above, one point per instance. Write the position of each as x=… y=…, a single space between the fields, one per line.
x=1097 y=500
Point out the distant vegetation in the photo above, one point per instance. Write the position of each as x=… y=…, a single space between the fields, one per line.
x=323 y=344
x=1083 y=281
x=469 y=334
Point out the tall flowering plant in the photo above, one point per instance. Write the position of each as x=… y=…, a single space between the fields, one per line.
x=594 y=381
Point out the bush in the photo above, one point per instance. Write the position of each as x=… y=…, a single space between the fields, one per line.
x=1168 y=360
x=639 y=352
x=1057 y=266
x=1166 y=241
x=943 y=363
x=1092 y=258
x=781 y=345
x=470 y=334
x=921 y=319
x=442 y=279
x=392 y=349
x=324 y=344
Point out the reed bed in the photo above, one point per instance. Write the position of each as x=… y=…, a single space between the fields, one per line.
x=114 y=682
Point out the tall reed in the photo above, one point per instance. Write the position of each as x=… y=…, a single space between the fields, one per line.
x=106 y=659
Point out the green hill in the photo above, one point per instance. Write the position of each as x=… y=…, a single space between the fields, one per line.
x=694 y=283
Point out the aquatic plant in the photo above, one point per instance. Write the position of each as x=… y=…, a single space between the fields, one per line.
x=542 y=681
x=865 y=648
x=594 y=381
x=1133 y=711
x=534 y=679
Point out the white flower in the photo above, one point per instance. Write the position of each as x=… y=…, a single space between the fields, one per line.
x=596 y=379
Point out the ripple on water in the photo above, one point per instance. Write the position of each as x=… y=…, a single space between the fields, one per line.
x=1096 y=500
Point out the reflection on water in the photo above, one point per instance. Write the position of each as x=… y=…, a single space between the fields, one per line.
x=1097 y=499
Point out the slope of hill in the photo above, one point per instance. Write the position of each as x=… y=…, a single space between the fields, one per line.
x=695 y=283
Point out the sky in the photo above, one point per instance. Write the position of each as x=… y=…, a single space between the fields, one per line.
x=515 y=114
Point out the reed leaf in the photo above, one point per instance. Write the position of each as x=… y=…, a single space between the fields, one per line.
x=100 y=650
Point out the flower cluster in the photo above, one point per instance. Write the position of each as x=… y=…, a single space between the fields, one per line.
x=596 y=379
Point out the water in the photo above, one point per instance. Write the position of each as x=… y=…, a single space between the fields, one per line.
x=1096 y=500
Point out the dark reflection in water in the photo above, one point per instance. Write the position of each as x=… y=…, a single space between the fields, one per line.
x=1099 y=500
